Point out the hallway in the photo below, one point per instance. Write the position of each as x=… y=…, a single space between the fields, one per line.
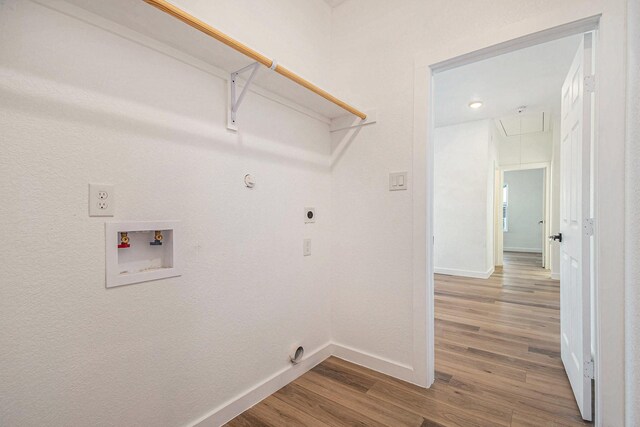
x=497 y=364
x=499 y=340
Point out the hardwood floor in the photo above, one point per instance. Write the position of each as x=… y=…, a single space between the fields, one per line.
x=497 y=364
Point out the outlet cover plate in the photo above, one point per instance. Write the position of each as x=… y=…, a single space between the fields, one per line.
x=102 y=200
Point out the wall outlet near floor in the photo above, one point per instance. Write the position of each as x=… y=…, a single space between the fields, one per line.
x=101 y=200
x=306 y=247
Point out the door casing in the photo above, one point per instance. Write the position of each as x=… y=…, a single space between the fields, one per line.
x=546 y=167
x=607 y=19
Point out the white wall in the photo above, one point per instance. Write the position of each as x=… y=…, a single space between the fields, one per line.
x=79 y=104
x=463 y=202
x=373 y=288
x=108 y=111
x=525 y=209
x=294 y=33
x=377 y=70
x=632 y=207
x=533 y=148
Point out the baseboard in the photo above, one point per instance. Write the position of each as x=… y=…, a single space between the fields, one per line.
x=465 y=273
x=234 y=407
x=555 y=276
x=530 y=250
x=237 y=405
x=379 y=364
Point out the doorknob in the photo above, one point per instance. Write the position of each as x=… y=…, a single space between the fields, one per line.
x=541 y=222
x=557 y=237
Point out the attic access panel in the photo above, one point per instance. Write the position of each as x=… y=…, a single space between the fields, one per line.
x=524 y=123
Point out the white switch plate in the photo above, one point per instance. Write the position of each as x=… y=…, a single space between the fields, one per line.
x=102 y=200
x=397 y=181
x=306 y=247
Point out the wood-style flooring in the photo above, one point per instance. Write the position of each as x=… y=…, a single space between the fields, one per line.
x=497 y=364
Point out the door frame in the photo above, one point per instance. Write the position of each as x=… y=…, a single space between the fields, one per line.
x=608 y=20
x=546 y=201
x=498 y=234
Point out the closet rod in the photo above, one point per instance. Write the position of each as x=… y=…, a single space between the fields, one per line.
x=176 y=12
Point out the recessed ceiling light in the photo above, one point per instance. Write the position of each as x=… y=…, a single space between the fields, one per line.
x=475 y=104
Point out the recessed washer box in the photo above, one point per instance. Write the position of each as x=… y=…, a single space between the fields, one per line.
x=141 y=251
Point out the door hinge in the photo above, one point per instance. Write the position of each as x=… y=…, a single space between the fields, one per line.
x=589 y=369
x=588 y=226
x=590 y=83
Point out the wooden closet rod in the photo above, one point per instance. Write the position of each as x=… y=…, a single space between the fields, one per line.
x=176 y=12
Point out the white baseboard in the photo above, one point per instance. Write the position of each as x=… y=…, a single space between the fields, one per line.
x=388 y=367
x=555 y=276
x=234 y=407
x=465 y=273
x=531 y=250
x=237 y=405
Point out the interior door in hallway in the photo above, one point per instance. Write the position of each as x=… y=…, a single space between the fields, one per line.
x=576 y=226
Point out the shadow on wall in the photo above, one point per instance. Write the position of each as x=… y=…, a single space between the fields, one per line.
x=343 y=140
x=47 y=98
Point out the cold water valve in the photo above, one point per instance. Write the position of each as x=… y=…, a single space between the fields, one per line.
x=157 y=238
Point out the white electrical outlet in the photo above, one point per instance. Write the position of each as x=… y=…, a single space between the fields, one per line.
x=101 y=200
x=306 y=247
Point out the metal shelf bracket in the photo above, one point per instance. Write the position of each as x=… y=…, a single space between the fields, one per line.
x=235 y=101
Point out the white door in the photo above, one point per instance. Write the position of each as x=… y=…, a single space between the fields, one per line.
x=576 y=226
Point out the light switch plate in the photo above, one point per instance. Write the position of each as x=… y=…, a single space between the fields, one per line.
x=102 y=200
x=398 y=181
x=306 y=247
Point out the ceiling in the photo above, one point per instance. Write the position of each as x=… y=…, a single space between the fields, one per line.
x=334 y=3
x=523 y=123
x=531 y=77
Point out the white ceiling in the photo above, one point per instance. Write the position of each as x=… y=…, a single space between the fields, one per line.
x=334 y=3
x=531 y=77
